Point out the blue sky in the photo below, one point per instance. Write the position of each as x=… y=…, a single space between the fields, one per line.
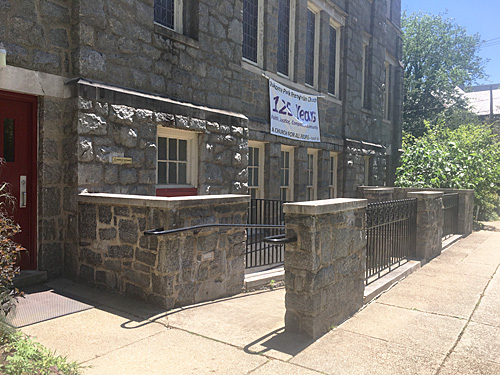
x=479 y=16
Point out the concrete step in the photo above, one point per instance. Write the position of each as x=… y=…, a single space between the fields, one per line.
x=29 y=277
x=263 y=278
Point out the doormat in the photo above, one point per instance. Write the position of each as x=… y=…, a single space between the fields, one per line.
x=42 y=305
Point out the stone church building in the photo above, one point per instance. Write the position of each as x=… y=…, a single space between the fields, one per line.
x=171 y=98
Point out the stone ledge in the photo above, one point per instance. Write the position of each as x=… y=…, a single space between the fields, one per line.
x=425 y=194
x=324 y=206
x=161 y=202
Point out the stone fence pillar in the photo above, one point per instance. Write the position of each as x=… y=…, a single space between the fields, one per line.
x=325 y=268
x=376 y=194
x=465 y=211
x=430 y=217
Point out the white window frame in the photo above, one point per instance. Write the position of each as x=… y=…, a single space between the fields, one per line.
x=364 y=79
x=317 y=25
x=366 y=181
x=333 y=163
x=338 y=27
x=390 y=62
x=289 y=188
x=312 y=174
x=192 y=156
x=178 y=12
x=259 y=189
x=260 y=36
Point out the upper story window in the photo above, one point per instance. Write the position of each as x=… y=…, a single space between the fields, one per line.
x=389 y=9
x=334 y=59
x=310 y=34
x=390 y=64
x=283 y=37
x=168 y=13
x=250 y=29
x=365 y=83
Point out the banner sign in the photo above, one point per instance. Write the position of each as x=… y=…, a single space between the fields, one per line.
x=293 y=114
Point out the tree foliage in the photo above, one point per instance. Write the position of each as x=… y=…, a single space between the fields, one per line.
x=467 y=157
x=438 y=56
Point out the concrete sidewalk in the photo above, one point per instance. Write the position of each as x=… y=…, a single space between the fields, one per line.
x=443 y=319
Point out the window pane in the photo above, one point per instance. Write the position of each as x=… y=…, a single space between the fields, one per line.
x=182 y=173
x=182 y=150
x=283 y=35
x=250 y=20
x=287 y=178
x=256 y=158
x=310 y=33
x=162 y=148
x=172 y=173
x=250 y=156
x=164 y=12
x=256 y=178
x=8 y=140
x=332 y=63
x=172 y=149
x=162 y=173
x=282 y=177
x=287 y=160
x=250 y=176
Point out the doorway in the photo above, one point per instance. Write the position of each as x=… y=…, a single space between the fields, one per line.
x=18 y=149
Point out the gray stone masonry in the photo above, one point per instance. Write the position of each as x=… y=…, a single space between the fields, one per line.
x=170 y=270
x=114 y=127
x=325 y=268
x=430 y=217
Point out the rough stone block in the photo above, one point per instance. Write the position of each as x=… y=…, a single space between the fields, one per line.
x=128 y=231
x=120 y=251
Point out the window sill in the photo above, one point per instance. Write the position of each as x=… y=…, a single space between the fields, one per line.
x=367 y=111
x=171 y=34
x=334 y=99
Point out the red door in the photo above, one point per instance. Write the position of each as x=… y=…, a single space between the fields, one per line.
x=18 y=151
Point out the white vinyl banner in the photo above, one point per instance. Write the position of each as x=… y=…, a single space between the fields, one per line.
x=293 y=114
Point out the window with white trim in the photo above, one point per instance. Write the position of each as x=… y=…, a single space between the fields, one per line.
x=365 y=88
x=332 y=174
x=367 y=171
x=390 y=64
x=256 y=169
x=334 y=59
x=312 y=174
x=176 y=158
x=168 y=13
x=284 y=37
x=312 y=46
x=286 y=173
x=250 y=29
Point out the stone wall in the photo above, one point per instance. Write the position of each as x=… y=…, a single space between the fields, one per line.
x=37 y=34
x=118 y=42
x=171 y=270
x=325 y=268
x=124 y=123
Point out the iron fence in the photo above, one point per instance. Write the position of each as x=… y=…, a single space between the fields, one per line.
x=450 y=224
x=391 y=233
x=258 y=252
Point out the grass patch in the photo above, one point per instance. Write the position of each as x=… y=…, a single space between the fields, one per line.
x=19 y=354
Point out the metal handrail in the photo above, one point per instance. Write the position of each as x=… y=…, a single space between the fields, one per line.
x=161 y=231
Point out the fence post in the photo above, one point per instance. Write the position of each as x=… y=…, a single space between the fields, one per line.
x=430 y=217
x=325 y=268
x=465 y=211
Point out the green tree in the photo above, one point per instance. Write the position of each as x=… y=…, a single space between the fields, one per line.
x=467 y=157
x=438 y=56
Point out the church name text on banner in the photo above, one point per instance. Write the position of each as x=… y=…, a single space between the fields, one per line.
x=294 y=114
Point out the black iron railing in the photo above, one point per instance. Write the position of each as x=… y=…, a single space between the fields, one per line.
x=450 y=205
x=260 y=252
x=391 y=233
